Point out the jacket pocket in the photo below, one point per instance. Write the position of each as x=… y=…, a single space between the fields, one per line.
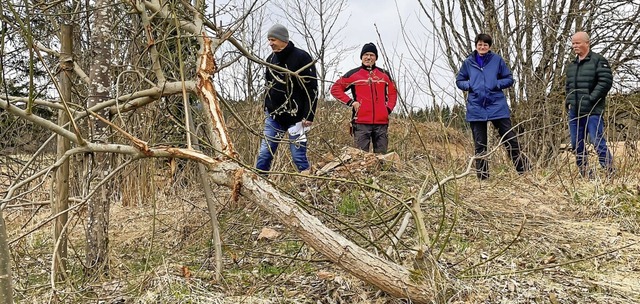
x=474 y=98
x=584 y=103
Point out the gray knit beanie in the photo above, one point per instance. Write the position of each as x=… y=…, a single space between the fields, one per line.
x=279 y=32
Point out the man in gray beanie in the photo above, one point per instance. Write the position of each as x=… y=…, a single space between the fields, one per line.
x=290 y=100
x=279 y=32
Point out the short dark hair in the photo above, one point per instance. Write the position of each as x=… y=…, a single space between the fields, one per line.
x=484 y=38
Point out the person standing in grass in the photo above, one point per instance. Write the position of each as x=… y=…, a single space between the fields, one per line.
x=373 y=97
x=290 y=101
x=484 y=75
x=589 y=79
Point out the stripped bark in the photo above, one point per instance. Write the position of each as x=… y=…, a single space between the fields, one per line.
x=206 y=91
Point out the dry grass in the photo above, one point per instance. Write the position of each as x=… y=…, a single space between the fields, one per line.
x=545 y=237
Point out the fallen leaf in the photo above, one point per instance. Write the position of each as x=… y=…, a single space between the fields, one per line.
x=268 y=233
x=548 y=260
x=325 y=275
x=186 y=272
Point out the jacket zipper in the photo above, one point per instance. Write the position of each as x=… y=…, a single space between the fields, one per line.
x=373 y=104
x=575 y=88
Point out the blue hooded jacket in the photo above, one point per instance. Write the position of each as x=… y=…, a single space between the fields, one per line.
x=486 y=100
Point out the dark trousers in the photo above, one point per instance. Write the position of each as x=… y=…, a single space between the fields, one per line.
x=364 y=134
x=509 y=139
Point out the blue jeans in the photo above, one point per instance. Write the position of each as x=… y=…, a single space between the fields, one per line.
x=273 y=134
x=592 y=125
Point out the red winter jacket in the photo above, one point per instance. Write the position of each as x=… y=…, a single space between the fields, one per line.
x=373 y=88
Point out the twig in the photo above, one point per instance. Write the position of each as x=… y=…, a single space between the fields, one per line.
x=551 y=265
x=501 y=251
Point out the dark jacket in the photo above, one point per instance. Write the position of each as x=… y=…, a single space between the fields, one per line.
x=485 y=100
x=373 y=88
x=290 y=99
x=588 y=82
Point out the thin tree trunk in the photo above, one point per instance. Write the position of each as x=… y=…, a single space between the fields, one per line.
x=205 y=184
x=6 y=288
x=98 y=163
x=213 y=214
x=62 y=174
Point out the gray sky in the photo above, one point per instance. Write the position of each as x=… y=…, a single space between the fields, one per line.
x=362 y=17
x=365 y=15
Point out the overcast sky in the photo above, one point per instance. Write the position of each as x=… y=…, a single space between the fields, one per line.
x=365 y=15
x=361 y=18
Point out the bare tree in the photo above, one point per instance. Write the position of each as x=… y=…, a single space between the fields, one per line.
x=320 y=24
x=61 y=202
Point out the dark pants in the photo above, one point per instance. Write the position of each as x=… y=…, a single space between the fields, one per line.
x=363 y=134
x=508 y=137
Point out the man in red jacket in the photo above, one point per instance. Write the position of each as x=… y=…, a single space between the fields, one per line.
x=373 y=97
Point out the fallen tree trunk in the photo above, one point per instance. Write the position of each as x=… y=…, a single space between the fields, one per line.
x=421 y=286
x=386 y=275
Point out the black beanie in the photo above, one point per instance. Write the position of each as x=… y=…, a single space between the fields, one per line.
x=369 y=47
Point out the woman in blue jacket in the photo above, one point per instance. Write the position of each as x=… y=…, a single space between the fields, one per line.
x=484 y=75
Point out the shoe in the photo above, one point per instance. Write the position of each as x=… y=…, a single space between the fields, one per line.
x=482 y=176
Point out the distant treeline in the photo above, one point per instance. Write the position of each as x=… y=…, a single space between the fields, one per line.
x=452 y=117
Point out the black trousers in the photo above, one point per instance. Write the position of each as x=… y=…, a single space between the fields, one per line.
x=364 y=134
x=509 y=139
